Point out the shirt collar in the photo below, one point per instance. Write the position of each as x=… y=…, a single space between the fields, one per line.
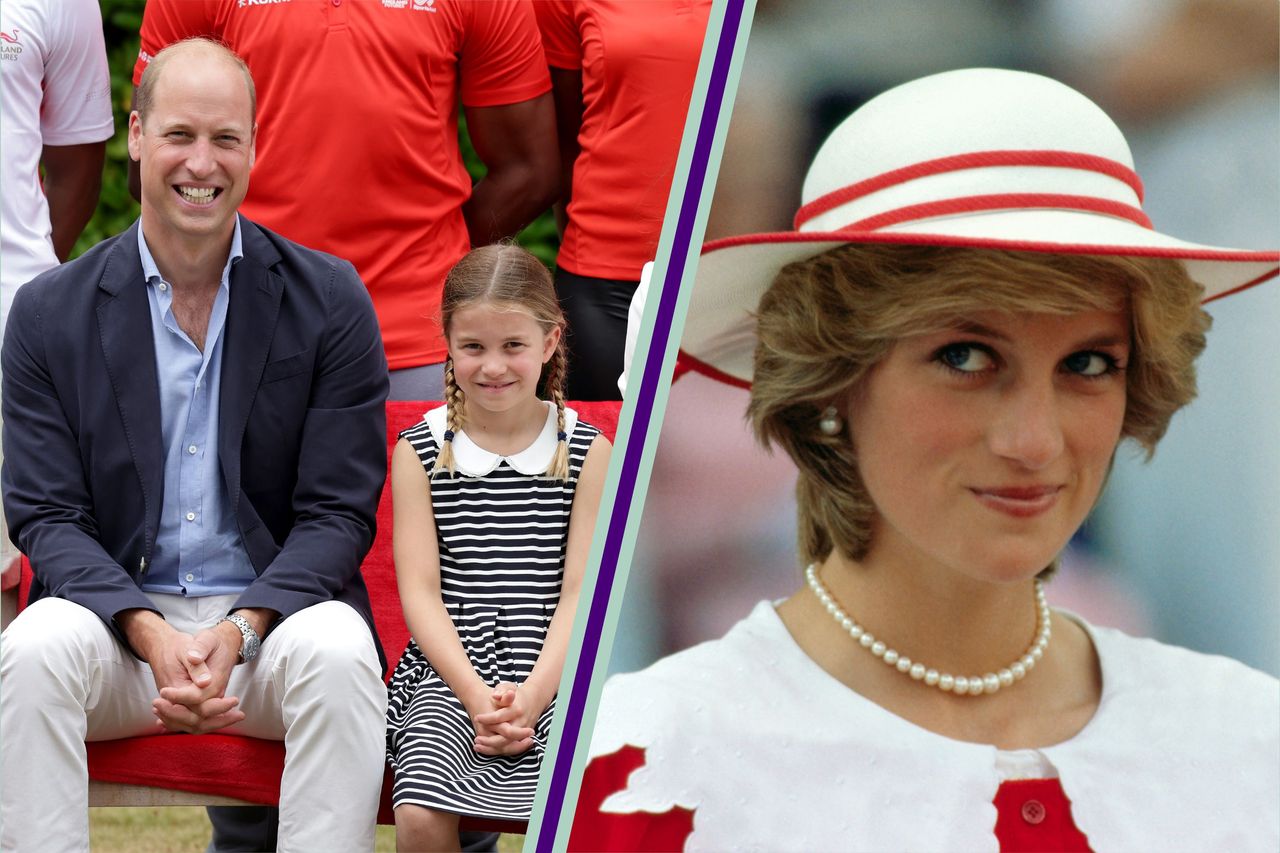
x=474 y=461
x=151 y=272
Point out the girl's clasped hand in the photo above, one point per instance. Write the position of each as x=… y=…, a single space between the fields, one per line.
x=506 y=728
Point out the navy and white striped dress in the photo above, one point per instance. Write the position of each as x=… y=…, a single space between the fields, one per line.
x=502 y=527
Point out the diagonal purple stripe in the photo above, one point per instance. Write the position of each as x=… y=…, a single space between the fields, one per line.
x=573 y=709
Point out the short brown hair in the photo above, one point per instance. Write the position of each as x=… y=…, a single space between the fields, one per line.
x=826 y=321
x=505 y=274
x=145 y=96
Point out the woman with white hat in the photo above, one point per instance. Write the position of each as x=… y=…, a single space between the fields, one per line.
x=971 y=315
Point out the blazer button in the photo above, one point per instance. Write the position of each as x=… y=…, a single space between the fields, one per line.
x=1033 y=812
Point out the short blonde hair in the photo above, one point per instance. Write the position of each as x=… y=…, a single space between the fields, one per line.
x=826 y=321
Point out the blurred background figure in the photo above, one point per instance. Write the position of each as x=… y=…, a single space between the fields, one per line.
x=1194 y=85
x=622 y=74
x=56 y=96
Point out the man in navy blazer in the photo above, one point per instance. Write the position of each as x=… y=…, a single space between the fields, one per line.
x=194 y=438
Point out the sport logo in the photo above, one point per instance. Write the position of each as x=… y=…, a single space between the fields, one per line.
x=10 y=47
x=425 y=6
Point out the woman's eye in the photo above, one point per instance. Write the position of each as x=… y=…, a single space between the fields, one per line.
x=965 y=358
x=1089 y=364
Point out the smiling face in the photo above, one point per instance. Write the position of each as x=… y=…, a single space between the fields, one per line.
x=984 y=446
x=498 y=352
x=195 y=148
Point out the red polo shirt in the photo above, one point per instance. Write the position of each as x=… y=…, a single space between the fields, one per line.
x=638 y=62
x=357 y=150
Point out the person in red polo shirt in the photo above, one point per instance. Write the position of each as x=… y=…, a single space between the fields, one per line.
x=358 y=147
x=358 y=156
x=622 y=74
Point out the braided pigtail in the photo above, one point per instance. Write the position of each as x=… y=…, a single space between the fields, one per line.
x=556 y=368
x=454 y=401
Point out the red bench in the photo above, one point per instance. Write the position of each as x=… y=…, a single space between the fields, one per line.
x=222 y=769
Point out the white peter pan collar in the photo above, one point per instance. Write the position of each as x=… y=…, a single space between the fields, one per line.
x=474 y=461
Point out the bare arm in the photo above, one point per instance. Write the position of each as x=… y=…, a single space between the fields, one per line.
x=566 y=90
x=417 y=558
x=72 y=182
x=517 y=143
x=544 y=680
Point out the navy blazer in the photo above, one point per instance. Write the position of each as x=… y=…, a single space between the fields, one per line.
x=302 y=430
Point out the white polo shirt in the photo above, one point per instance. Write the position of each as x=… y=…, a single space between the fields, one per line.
x=54 y=90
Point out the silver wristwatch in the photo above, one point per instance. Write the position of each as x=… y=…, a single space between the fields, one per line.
x=249 y=649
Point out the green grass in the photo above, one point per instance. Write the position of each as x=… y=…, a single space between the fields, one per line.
x=185 y=829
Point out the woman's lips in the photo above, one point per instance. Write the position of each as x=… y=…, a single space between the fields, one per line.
x=1019 y=501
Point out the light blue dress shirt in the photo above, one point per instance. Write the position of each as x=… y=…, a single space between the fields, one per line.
x=198 y=549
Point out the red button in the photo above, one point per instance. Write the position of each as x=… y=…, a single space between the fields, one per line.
x=337 y=2
x=1033 y=812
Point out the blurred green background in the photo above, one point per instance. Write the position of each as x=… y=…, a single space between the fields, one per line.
x=121 y=20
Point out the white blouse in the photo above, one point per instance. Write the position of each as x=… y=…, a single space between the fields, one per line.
x=772 y=753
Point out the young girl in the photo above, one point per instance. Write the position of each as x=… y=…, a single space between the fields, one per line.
x=495 y=499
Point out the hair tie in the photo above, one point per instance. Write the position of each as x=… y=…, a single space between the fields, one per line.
x=448 y=435
x=560 y=436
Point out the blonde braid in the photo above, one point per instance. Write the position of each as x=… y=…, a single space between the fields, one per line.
x=559 y=467
x=454 y=401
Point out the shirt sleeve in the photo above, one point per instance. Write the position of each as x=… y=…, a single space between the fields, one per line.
x=502 y=60
x=77 y=86
x=167 y=21
x=561 y=40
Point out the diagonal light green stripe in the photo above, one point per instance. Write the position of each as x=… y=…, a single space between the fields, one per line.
x=626 y=425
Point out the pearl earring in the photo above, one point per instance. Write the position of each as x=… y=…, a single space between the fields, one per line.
x=830 y=422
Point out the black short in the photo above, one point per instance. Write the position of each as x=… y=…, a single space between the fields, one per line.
x=596 y=309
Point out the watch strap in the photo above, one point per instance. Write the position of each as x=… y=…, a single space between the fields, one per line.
x=252 y=643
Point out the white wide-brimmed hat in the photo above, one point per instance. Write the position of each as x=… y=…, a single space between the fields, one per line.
x=981 y=157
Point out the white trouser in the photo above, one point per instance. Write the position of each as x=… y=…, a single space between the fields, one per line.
x=316 y=685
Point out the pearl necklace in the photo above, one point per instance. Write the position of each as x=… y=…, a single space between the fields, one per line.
x=958 y=684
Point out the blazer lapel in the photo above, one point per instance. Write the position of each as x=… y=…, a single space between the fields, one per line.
x=129 y=353
x=251 y=321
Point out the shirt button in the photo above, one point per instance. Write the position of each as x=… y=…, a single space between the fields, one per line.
x=1033 y=812
x=163 y=287
x=191 y=449
x=191 y=516
x=190 y=576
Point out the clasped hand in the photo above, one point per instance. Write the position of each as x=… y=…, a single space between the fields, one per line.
x=191 y=674
x=505 y=726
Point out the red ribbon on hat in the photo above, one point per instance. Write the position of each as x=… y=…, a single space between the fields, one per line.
x=980 y=160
